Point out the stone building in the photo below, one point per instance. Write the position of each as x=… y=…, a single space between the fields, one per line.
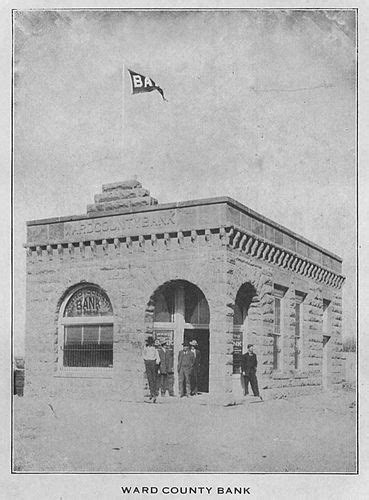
x=211 y=270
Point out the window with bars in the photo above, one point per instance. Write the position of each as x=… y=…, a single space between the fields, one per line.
x=88 y=345
x=87 y=326
x=277 y=315
x=299 y=300
x=278 y=295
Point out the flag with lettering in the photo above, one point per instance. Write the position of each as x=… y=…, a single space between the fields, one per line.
x=141 y=83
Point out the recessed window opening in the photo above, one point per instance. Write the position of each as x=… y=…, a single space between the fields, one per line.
x=278 y=295
x=298 y=338
x=87 y=325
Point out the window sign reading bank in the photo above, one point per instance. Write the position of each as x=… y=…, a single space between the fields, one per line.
x=88 y=302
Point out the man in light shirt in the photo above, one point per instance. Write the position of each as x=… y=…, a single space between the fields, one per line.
x=152 y=361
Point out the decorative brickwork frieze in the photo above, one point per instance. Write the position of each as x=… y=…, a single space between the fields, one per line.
x=263 y=250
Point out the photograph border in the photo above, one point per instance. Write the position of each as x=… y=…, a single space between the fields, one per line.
x=12 y=263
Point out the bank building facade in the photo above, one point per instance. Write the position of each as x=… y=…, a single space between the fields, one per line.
x=210 y=270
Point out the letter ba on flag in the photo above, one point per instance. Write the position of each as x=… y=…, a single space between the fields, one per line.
x=141 y=83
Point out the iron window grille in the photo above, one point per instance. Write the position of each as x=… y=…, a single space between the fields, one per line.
x=86 y=338
x=278 y=293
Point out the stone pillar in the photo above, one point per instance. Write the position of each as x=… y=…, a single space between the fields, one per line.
x=265 y=347
x=221 y=348
x=313 y=344
x=336 y=354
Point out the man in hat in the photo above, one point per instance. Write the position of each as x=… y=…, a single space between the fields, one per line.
x=166 y=376
x=186 y=361
x=249 y=363
x=196 y=367
x=152 y=361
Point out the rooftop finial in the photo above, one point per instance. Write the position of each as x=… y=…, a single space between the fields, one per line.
x=123 y=196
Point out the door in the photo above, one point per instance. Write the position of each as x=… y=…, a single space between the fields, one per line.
x=202 y=338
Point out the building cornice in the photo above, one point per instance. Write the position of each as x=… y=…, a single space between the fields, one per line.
x=187 y=204
x=232 y=237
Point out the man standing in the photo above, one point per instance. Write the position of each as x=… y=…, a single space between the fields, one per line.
x=196 y=367
x=249 y=363
x=166 y=377
x=152 y=361
x=186 y=361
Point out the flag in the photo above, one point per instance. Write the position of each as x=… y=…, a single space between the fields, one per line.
x=141 y=83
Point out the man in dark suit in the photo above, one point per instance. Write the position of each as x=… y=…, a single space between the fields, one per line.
x=249 y=363
x=166 y=377
x=196 y=367
x=186 y=361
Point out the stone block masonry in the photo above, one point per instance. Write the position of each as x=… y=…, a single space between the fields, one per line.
x=174 y=269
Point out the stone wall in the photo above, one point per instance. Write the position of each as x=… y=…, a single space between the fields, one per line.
x=240 y=270
x=129 y=276
x=350 y=367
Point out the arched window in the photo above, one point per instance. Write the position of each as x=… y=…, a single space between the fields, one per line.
x=86 y=327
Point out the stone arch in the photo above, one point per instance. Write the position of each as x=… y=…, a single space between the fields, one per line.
x=160 y=276
x=242 y=276
x=245 y=296
x=73 y=288
x=257 y=280
x=171 y=284
x=176 y=311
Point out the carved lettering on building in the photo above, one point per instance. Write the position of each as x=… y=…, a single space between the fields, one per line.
x=121 y=225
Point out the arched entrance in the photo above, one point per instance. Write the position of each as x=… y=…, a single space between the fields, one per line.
x=242 y=322
x=178 y=311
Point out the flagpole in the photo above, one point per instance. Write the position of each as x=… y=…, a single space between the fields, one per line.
x=123 y=113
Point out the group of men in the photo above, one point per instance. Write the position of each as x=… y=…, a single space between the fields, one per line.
x=158 y=359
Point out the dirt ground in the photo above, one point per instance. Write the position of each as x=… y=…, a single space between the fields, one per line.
x=314 y=433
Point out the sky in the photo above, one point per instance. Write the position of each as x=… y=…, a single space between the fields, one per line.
x=261 y=107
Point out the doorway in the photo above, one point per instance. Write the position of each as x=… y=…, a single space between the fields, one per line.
x=178 y=311
x=202 y=338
